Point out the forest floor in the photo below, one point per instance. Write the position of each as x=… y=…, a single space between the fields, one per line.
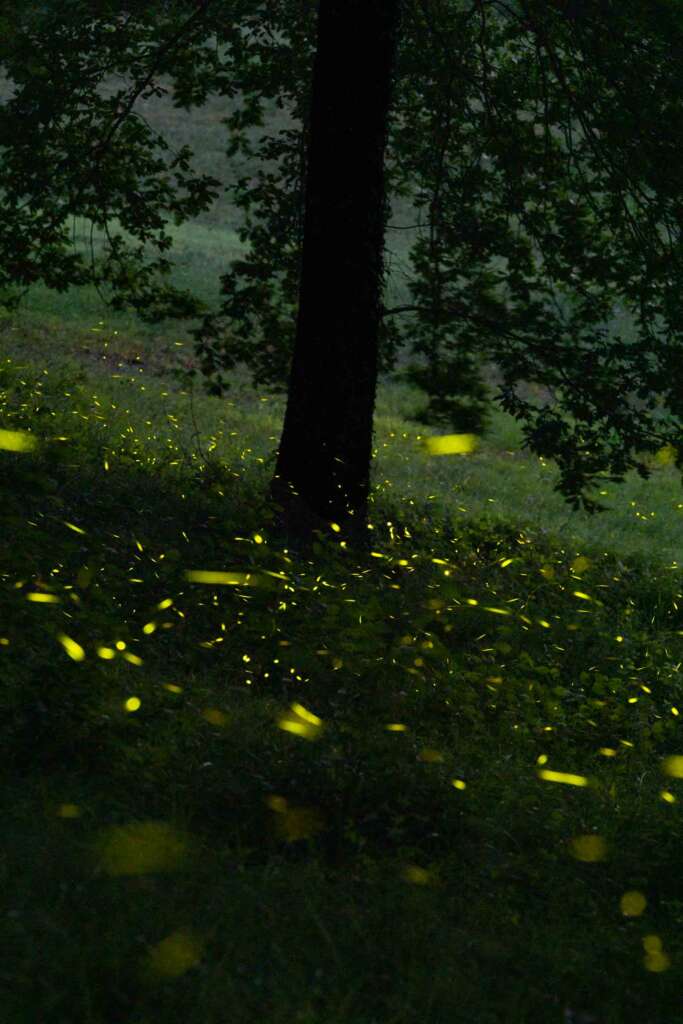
x=436 y=784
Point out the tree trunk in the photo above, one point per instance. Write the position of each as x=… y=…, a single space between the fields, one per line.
x=322 y=473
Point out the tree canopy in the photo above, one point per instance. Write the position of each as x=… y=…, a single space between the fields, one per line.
x=542 y=135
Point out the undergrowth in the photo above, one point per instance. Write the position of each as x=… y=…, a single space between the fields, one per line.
x=430 y=783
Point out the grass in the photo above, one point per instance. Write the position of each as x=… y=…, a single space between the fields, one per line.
x=183 y=845
x=317 y=795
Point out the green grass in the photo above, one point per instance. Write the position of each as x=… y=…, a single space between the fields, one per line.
x=335 y=873
x=208 y=855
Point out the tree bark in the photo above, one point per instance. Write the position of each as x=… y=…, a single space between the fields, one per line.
x=322 y=472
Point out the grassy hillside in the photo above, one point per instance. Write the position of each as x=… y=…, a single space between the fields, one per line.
x=432 y=786
x=316 y=792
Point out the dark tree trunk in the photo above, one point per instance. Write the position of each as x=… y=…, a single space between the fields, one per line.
x=326 y=444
